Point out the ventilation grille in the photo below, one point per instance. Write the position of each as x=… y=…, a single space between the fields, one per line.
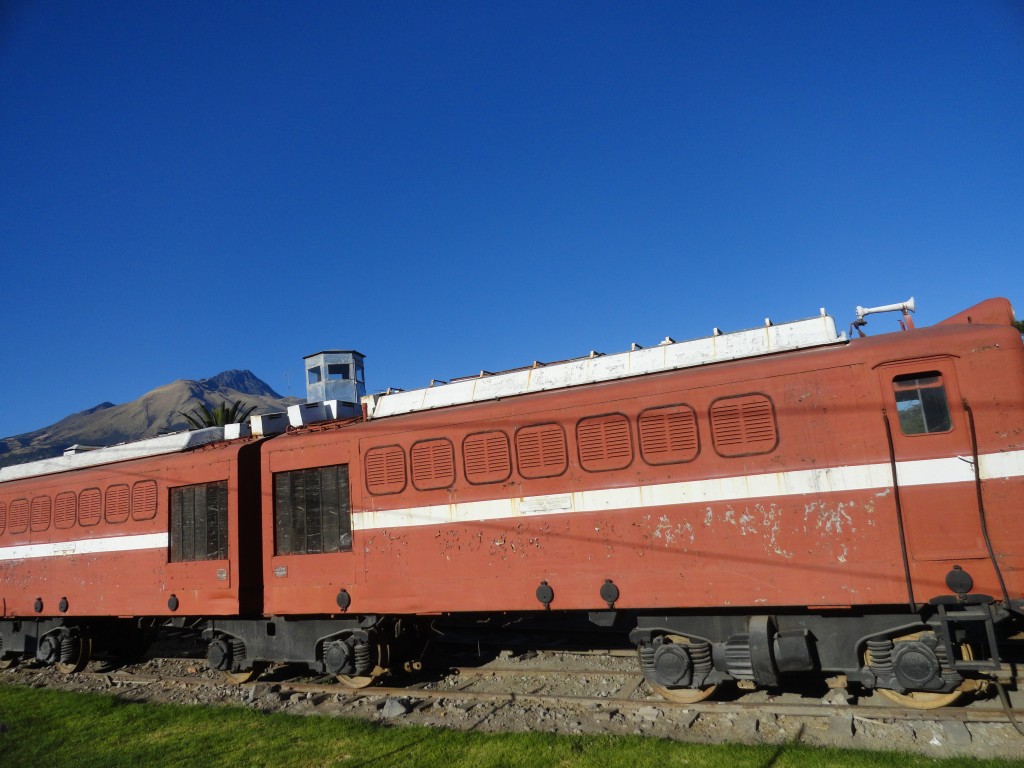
x=668 y=435
x=115 y=510
x=541 y=451
x=605 y=443
x=433 y=464
x=41 y=509
x=385 y=469
x=3 y=517
x=487 y=457
x=19 y=516
x=65 y=510
x=89 y=506
x=144 y=500
x=741 y=426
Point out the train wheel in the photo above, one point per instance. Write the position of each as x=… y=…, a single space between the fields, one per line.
x=361 y=681
x=79 y=659
x=245 y=676
x=682 y=695
x=923 y=699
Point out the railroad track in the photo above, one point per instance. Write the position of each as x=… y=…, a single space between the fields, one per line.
x=623 y=698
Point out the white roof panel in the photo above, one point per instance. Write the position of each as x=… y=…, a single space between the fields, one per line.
x=770 y=339
x=154 y=446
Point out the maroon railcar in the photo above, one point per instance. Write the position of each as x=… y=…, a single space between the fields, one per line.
x=741 y=508
x=95 y=547
x=842 y=506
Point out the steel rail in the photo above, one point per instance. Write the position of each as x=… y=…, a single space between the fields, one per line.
x=712 y=708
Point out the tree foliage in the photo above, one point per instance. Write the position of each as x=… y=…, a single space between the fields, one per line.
x=227 y=412
x=1020 y=325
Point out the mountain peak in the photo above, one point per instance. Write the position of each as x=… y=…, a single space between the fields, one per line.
x=245 y=382
x=155 y=412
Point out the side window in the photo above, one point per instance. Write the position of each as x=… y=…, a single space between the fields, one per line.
x=921 y=403
x=311 y=511
x=199 y=522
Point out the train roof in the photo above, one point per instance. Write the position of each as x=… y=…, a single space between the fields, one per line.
x=667 y=356
x=176 y=442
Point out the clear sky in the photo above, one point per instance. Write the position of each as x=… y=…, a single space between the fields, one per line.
x=188 y=187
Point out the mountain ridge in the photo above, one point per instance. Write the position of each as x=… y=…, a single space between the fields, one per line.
x=155 y=412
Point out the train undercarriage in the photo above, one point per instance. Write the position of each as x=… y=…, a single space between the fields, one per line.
x=925 y=659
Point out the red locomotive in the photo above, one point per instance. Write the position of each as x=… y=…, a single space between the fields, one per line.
x=741 y=507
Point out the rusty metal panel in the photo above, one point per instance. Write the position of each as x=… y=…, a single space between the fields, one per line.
x=743 y=425
x=144 y=500
x=385 y=470
x=487 y=457
x=541 y=451
x=668 y=434
x=433 y=464
x=42 y=507
x=65 y=510
x=115 y=503
x=605 y=442
x=89 y=502
x=19 y=516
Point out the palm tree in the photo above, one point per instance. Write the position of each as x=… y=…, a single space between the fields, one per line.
x=204 y=416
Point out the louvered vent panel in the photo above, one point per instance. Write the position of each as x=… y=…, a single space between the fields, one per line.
x=19 y=516
x=42 y=507
x=669 y=435
x=487 y=457
x=65 y=510
x=604 y=443
x=433 y=464
x=540 y=451
x=89 y=506
x=744 y=425
x=144 y=500
x=385 y=469
x=115 y=507
x=3 y=517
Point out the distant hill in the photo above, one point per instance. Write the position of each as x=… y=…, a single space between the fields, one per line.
x=152 y=414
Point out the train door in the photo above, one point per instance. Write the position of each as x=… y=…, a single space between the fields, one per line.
x=932 y=451
x=310 y=563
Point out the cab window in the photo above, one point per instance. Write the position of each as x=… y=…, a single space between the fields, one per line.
x=922 y=404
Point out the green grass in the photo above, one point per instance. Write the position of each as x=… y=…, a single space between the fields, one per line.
x=54 y=729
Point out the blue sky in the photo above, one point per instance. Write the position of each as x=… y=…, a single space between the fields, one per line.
x=190 y=187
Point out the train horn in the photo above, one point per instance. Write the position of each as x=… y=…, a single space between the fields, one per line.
x=904 y=307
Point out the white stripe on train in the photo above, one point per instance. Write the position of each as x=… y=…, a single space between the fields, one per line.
x=807 y=482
